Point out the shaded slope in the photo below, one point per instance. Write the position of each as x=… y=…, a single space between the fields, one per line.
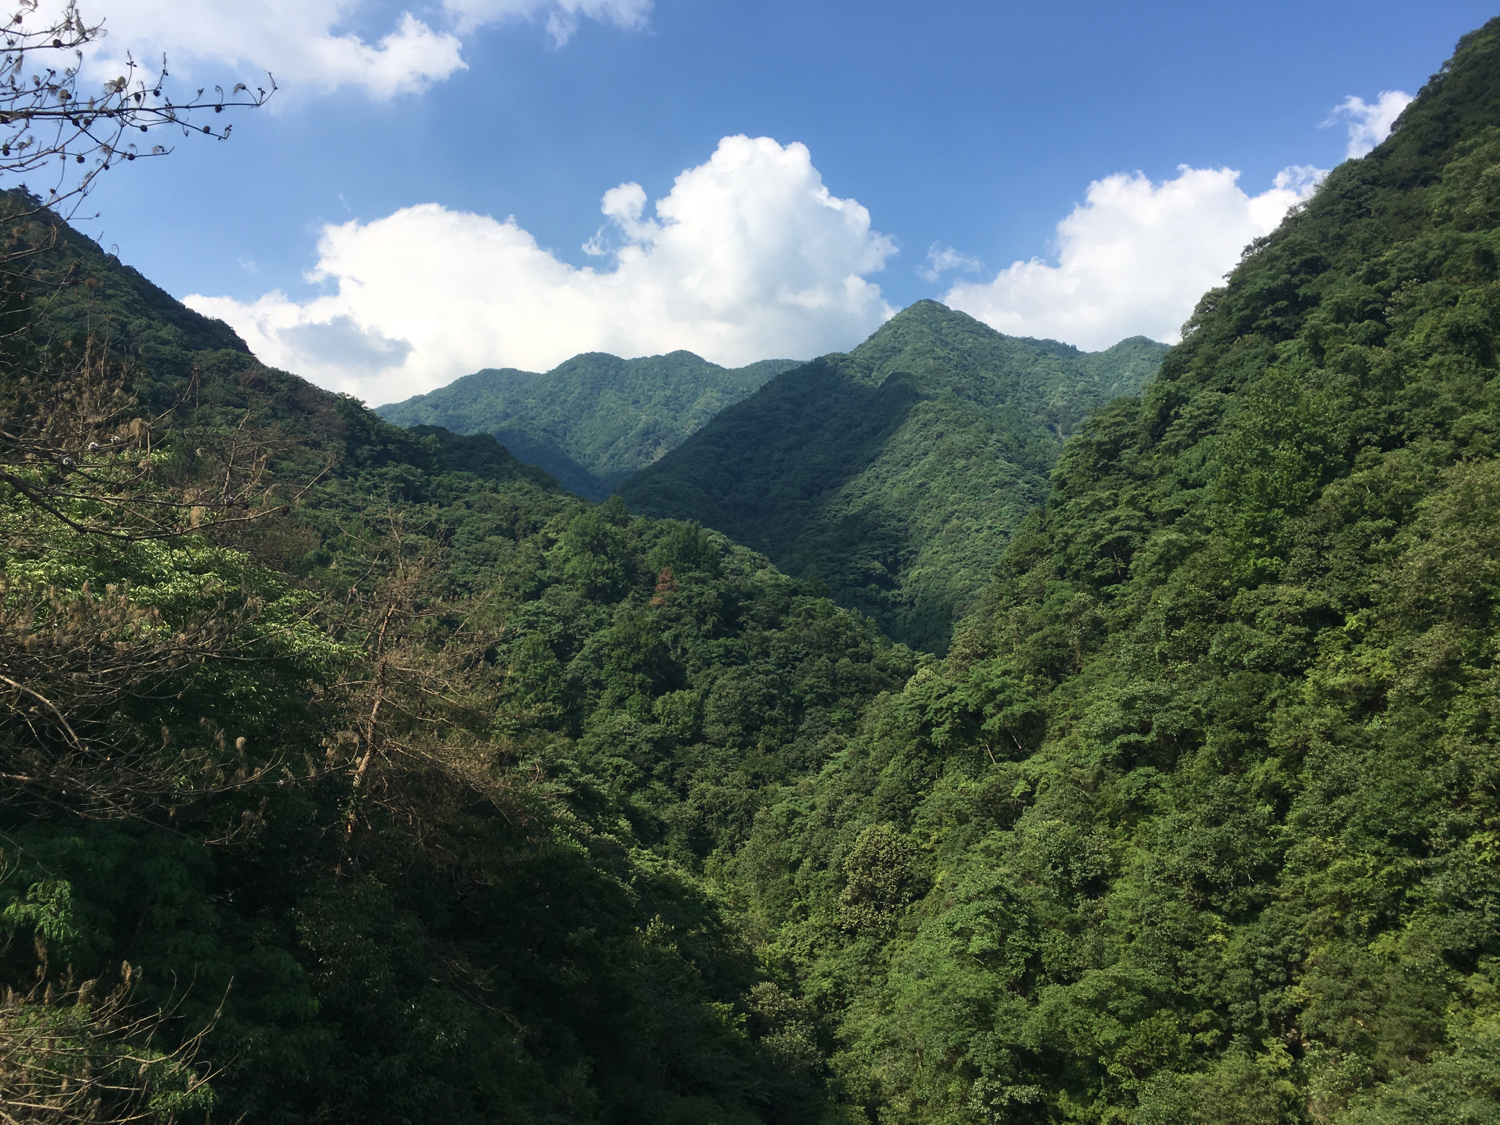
x=593 y=420
x=338 y=468
x=422 y=770
x=1197 y=823
x=895 y=473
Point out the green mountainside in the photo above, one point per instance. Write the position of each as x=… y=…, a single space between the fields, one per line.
x=353 y=775
x=390 y=802
x=594 y=420
x=1197 y=823
x=894 y=474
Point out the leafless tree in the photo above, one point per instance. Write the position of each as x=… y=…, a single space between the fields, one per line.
x=75 y=444
x=87 y=1054
x=71 y=660
x=66 y=135
x=417 y=701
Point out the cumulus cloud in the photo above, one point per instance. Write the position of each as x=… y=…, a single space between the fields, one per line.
x=941 y=260
x=748 y=256
x=305 y=44
x=1134 y=257
x=1369 y=122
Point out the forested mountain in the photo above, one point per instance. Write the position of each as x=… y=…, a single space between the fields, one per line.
x=353 y=773
x=894 y=474
x=356 y=774
x=594 y=420
x=1197 y=823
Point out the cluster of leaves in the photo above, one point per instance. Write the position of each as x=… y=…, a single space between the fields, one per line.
x=593 y=421
x=894 y=474
x=690 y=676
x=1197 y=822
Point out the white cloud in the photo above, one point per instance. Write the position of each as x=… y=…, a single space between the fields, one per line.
x=1134 y=258
x=942 y=260
x=749 y=256
x=1369 y=123
x=305 y=45
x=563 y=16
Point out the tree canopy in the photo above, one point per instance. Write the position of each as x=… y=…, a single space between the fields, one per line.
x=354 y=773
x=894 y=474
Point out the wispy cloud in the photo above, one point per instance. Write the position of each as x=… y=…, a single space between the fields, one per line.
x=1134 y=257
x=941 y=260
x=748 y=256
x=563 y=17
x=1369 y=122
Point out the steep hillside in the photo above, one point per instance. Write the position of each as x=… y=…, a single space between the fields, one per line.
x=360 y=774
x=594 y=420
x=197 y=374
x=355 y=774
x=894 y=474
x=1198 y=822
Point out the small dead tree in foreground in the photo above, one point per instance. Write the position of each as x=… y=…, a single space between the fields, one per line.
x=87 y=1054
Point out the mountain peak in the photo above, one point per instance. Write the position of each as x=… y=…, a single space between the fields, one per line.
x=930 y=312
x=893 y=473
x=593 y=419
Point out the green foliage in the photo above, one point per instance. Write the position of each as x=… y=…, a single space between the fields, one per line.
x=894 y=474
x=1205 y=793
x=593 y=421
x=693 y=677
x=441 y=794
x=399 y=800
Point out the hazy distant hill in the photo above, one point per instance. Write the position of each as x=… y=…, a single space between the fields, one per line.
x=894 y=473
x=594 y=420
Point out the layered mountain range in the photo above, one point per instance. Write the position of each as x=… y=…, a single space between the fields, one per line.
x=593 y=421
x=362 y=774
x=893 y=475
x=896 y=473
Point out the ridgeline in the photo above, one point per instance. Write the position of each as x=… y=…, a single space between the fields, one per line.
x=356 y=774
x=593 y=421
x=894 y=474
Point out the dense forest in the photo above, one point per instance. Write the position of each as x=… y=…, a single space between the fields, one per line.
x=593 y=421
x=895 y=474
x=360 y=774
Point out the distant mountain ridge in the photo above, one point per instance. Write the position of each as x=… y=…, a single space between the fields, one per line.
x=434 y=793
x=594 y=420
x=895 y=473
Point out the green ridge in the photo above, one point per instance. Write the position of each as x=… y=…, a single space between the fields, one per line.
x=1196 y=823
x=594 y=420
x=894 y=474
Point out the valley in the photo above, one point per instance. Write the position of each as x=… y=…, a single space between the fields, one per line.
x=961 y=729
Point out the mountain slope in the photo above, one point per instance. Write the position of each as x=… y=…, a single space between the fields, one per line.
x=593 y=420
x=391 y=803
x=450 y=797
x=895 y=473
x=1197 y=823
x=198 y=374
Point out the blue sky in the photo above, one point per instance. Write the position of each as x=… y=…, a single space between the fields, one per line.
x=972 y=127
